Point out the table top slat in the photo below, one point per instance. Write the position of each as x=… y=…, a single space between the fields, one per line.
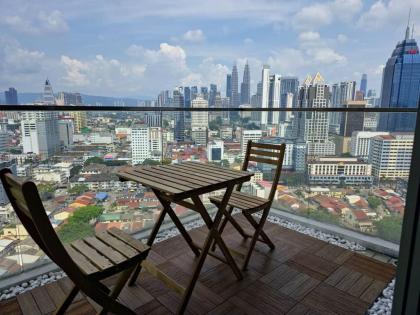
x=181 y=181
x=166 y=178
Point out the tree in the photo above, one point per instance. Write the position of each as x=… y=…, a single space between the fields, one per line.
x=323 y=216
x=75 y=170
x=150 y=162
x=78 y=224
x=94 y=160
x=78 y=189
x=389 y=228
x=224 y=163
x=374 y=202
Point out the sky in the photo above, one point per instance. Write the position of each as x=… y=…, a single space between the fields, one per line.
x=138 y=48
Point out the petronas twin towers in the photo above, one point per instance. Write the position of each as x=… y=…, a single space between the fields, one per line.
x=244 y=97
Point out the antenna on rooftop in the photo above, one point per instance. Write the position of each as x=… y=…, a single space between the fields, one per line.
x=407 y=31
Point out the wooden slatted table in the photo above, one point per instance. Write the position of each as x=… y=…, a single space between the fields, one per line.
x=183 y=184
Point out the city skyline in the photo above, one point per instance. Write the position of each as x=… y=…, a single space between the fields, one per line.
x=147 y=56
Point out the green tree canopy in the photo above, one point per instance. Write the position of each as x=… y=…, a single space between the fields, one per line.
x=78 y=189
x=389 y=228
x=374 y=202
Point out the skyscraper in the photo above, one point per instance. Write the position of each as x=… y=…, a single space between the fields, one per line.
x=340 y=94
x=212 y=94
x=229 y=86
x=187 y=97
x=65 y=98
x=179 y=127
x=10 y=96
x=48 y=95
x=265 y=79
x=313 y=126
x=363 y=84
x=400 y=85
x=246 y=86
x=204 y=90
x=274 y=99
x=234 y=101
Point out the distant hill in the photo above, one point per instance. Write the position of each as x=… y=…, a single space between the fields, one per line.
x=24 y=98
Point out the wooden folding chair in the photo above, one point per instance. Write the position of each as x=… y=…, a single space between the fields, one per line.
x=85 y=261
x=248 y=204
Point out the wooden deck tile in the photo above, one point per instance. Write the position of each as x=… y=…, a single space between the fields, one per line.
x=301 y=276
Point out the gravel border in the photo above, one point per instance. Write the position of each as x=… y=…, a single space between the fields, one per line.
x=382 y=305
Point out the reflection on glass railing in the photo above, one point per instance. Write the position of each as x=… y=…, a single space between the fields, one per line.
x=335 y=170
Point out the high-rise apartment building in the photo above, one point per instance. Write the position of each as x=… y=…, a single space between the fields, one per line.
x=352 y=121
x=40 y=134
x=360 y=142
x=215 y=150
x=199 y=118
x=390 y=155
x=11 y=97
x=265 y=93
x=140 y=144
x=313 y=127
x=246 y=135
x=65 y=133
x=400 y=86
x=246 y=86
x=79 y=120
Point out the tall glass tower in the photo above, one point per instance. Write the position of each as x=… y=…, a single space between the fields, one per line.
x=246 y=86
x=401 y=85
x=363 y=84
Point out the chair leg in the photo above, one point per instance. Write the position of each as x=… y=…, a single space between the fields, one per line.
x=67 y=302
x=122 y=280
x=264 y=236
x=255 y=238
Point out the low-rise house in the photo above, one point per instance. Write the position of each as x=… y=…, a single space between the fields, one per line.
x=359 y=220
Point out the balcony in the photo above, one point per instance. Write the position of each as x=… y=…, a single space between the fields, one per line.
x=303 y=275
x=336 y=234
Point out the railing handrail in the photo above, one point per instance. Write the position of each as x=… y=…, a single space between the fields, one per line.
x=69 y=108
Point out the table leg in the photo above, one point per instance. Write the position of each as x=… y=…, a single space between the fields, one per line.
x=217 y=237
x=213 y=234
x=167 y=206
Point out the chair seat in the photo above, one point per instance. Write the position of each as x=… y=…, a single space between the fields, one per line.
x=106 y=253
x=243 y=201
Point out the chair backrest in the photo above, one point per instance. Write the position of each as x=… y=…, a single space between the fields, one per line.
x=267 y=154
x=24 y=197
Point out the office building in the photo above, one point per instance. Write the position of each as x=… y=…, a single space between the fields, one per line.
x=179 y=119
x=246 y=86
x=212 y=94
x=265 y=93
x=229 y=86
x=199 y=135
x=48 y=95
x=234 y=100
x=65 y=133
x=313 y=127
x=363 y=84
x=65 y=98
x=274 y=99
x=11 y=96
x=340 y=94
x=400 y=86
x=338 y=171
x=79 y=120
x=360 y=142
x=215 y=150
x=390 y=155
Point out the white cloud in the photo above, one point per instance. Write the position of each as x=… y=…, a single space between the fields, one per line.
x=194 y=36
x=76 y=71
x=325 y=55
x=248 y=41
x=341 y=38
x=37 y=23
x=393 y=12
x=319 y=14
x=309 y=36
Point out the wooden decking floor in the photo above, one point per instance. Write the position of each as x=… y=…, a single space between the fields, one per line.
x=302 y=275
